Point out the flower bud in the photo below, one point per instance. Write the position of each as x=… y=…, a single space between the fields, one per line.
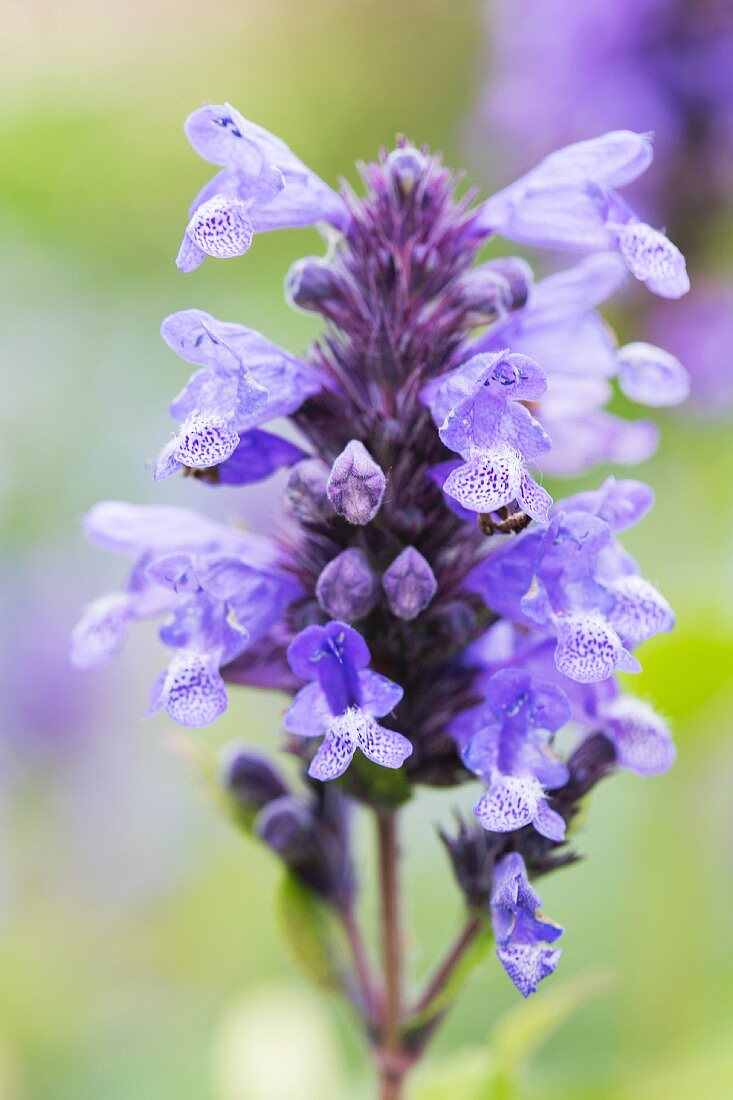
x=250 y=778
x=305 y=492
x=406 y=165
x=409 y=583
x=356 y=484
x=311 y=284
x=311 y=844
x=347 y=588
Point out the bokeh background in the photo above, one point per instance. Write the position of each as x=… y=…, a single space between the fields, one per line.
x=139 y=956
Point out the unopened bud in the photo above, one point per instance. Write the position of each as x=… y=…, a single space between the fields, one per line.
x=406 y=166
x=409 y=583
x=356 y=484
x=251 y=778
x=311 y=284
x=347 y=588
x=305 y=492
x=496 y=288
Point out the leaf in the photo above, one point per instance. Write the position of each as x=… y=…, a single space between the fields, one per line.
x=310 y=933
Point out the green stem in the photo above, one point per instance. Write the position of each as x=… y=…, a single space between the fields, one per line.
x=447 y=967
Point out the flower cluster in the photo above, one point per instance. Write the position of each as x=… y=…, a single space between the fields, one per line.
x=423 y=601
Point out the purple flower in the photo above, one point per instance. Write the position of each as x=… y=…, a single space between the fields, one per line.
x=522 y=935
x=244 y=381
x=262 y=185
x=343 y=701
x=569 y=201
x=560 y=328
x=479 y=410
x=220 y=588
x=507 y=744
x=574 y=582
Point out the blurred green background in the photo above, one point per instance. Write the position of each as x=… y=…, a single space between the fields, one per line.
x=139 y=957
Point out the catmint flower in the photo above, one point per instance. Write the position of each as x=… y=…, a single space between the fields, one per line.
x=347 y=588
x=523 y=936
x=409 y=584
x=420 y=600
x=262 y=185
x=569 y=201
x=575 y=582
x=508 y=746
x=356 y=484
x=243 y=382
x=343 y=701
x=655 y=65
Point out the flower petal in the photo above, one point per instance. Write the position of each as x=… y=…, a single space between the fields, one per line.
x=534 y=500
x=641 y=738
x=383 y=746
x=192 y=690
x=653 y=259
x=336 y=751
x=651 y=376
x=588 y=648
x=489 y=480
x=220 y=228
x=510 y=803
x=639 y=611
x=528 y=964
x=205 y=441
x=309 y=713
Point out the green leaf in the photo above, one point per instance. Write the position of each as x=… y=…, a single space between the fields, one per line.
x=310 y=933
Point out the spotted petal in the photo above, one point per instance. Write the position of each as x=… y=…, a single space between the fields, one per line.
x=653 y=259
x=383 y=746
x=641 y=738
x=489 y=480
x=588 y=649
x=99 y=635
x=510 y=803
x=336 y=751
x=528 y=964
x=639 y=610
x=192 y=691
x=534 y=500
x=651 y=376
x=204 y=441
